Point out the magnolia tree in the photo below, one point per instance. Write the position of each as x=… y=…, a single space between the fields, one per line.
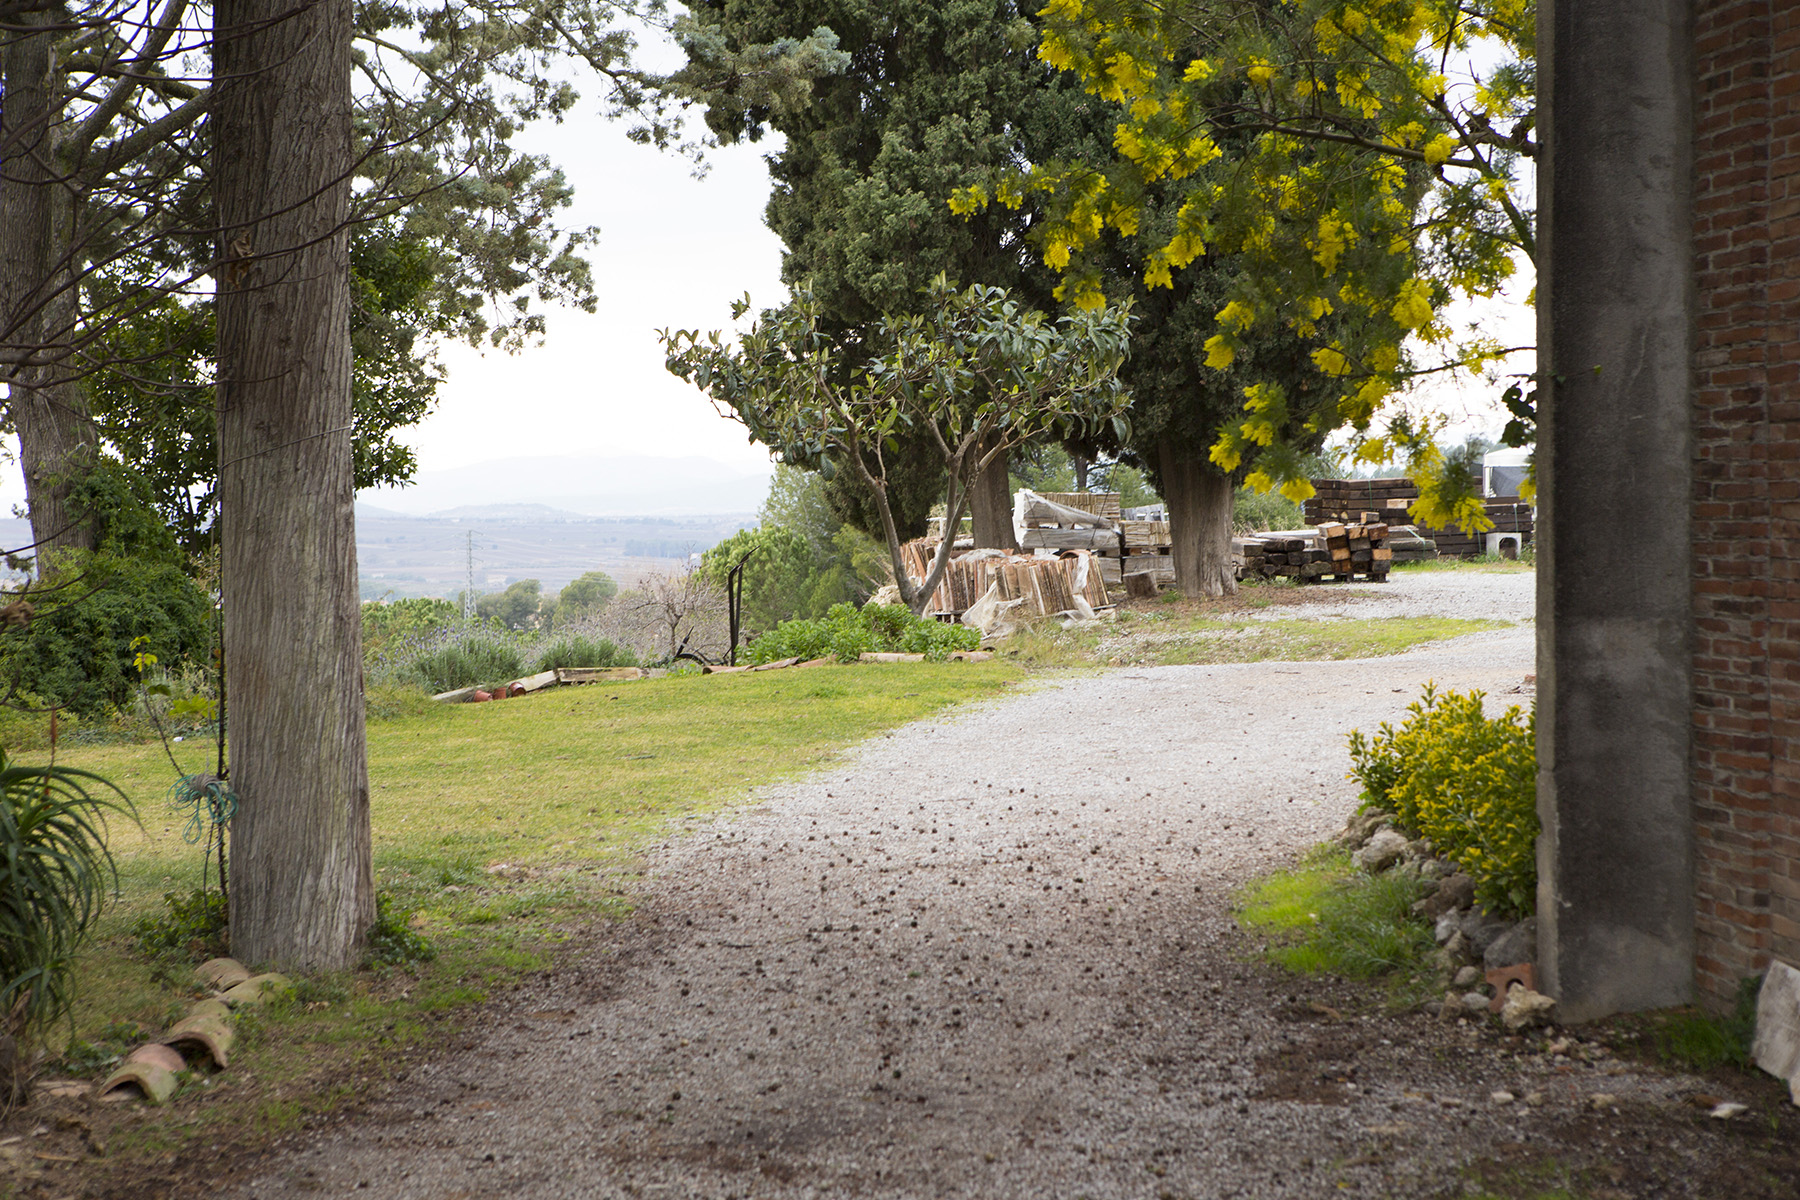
x=974 y=371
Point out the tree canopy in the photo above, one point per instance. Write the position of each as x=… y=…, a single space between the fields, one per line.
x=1326 y=145
x=977 y=373
x=581 y=598
x=104 y=154
x=516 y=607
x=933 y=95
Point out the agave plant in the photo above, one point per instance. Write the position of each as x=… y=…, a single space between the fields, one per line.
x=56 y=875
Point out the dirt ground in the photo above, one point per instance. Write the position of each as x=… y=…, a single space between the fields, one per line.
x=992 y=955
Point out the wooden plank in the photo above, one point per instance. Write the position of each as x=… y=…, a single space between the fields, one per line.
x=597 y=674
x=1105 y=504
x=1069 y=539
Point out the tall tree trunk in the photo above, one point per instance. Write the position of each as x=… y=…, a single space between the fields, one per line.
x=1200 y=500
x=37 y=291
x=990 y=503
x=302 y=890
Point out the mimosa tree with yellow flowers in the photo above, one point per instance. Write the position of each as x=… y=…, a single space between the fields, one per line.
x=1357 y=162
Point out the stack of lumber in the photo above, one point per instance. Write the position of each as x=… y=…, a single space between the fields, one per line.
x=1071 y=521
x=1148 y=549
x=1374 y=501
x=1047 y=584
x=1286 y=554
x=1349 y=500
x=1332 y=551
x=1101 y=504
x=1357 y=550
x=1409 y=545
x=1091 y=521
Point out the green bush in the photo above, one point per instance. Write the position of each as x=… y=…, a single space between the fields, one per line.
x=575 y=650
x=478 y=657
x=1466 y=781
x=58 y=876
x=847 y=631
x=389 y=701
x=77 y=650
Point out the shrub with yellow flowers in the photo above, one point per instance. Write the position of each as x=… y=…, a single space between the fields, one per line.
x=1468 y=782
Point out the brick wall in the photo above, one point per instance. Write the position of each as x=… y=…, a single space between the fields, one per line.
x=1746 y=506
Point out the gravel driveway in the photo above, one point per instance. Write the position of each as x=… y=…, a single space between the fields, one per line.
x=990 y=955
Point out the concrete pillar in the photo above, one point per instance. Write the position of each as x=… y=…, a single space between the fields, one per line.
x=1615 y=319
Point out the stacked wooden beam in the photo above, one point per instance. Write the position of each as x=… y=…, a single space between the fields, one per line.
x=1368 y=501
x=1148 y=550
x=1359 y=549
x=1289 y=554
x=1408 y=546
x=1332 y=551
x=1047 y=584
x=1348 y=500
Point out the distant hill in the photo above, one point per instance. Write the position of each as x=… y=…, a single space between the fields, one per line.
x=429 y=555
x=509 y=512
x=577 y=486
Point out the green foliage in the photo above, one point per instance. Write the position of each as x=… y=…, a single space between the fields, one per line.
x=480 y=656
x=1257 y=512
x=516 y=607
x=155 y=408
x=581 y=600
x=387 y=623
x=977 y=370
x=77 y=650
x=27 y=727
x=574 y=650
x=119 y=507
x=389 y=700
x=1320 y=146
x=810 y=555
x=392 y=939
x=1466 y=781
x=847 y=631
x=193 y=927
x=1328 y=917
x=932 y=95
x=57 y=877
x=784 y=578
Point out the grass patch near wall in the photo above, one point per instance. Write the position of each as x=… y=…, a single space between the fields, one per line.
x=500 y=831
x=1324 y=916
x=1491 y=564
